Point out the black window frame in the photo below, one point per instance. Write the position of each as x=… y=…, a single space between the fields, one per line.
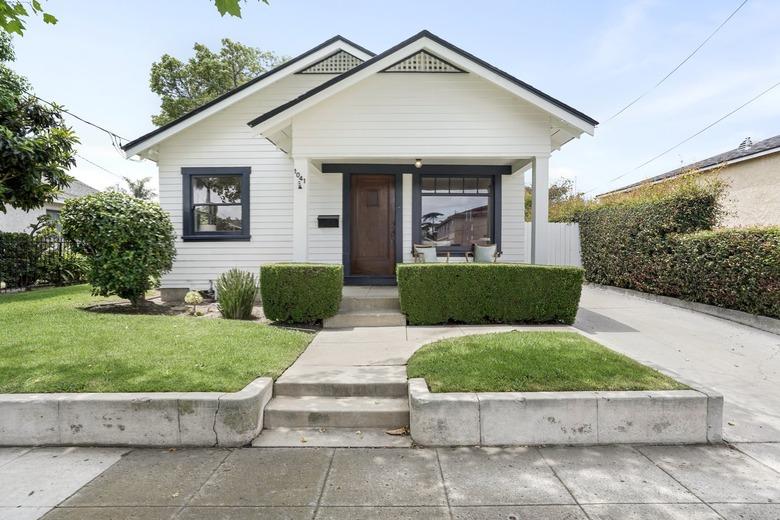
x=188 y=207
x=494 y=204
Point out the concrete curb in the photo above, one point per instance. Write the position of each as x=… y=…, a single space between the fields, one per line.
x=764 y=323
x=563 y=418
x=135 y=419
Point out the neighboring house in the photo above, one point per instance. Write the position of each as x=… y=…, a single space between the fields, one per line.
x=336 y=155
x=18 y=221
x=751 y=172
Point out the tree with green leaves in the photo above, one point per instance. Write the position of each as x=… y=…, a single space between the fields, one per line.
x=36 y=147
x=184 y=86
x=127 y=242
x=14 y=12
x=564 y=201
x=138 y=189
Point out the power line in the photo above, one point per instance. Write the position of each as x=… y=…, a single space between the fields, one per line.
x=702 y=44
x=743 y=105
x=99 y=166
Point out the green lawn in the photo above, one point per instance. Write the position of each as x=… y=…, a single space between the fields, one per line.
x=48 y=343
x=530 y=362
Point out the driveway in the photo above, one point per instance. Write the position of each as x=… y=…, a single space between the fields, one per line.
x=741 y=362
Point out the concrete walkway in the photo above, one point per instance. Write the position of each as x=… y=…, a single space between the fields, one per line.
x=741 y=362
x=609 y=482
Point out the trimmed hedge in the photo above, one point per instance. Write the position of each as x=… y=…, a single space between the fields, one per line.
x=301 y=293
x=488 y=293
x=625 y=244
x=662 y=243
x=733 y=268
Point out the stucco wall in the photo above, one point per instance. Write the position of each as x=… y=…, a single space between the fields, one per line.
x=753 y=194
x=18 y=221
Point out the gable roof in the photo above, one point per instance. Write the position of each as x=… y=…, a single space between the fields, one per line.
x=132 y=147
x=330 y=84
x=740 y=153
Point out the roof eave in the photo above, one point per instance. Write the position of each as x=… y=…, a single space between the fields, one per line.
x=584 y=122
x=139 y=145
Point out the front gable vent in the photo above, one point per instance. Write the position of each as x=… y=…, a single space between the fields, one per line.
x=423 y=61
x=337 y=63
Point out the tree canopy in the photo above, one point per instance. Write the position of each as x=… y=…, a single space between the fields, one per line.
x=36 y=147
x=184 y=86
x=139 y=189
x=14 y=12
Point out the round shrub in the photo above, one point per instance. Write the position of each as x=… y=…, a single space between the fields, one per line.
x=236 y=293
x=301 y=293
x=127 y=242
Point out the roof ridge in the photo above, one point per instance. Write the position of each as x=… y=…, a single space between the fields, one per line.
x=441 y=41
x=243 y=86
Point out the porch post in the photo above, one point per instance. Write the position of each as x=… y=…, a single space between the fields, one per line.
x=300 y=205
x=540 y=188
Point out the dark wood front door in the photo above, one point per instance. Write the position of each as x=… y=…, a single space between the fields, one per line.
x=372 y=225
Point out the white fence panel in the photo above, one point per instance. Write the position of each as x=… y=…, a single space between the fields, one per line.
x=563 y=242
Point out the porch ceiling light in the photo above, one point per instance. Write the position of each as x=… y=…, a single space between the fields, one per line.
x=418 y=163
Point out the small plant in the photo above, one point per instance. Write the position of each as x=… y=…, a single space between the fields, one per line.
x=193 y=298
x=236 y=292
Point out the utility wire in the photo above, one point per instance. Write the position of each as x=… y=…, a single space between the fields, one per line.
x=702 y=44
x=743 y=105
x=99 y=166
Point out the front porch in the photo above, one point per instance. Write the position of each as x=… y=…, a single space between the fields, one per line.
x=369 y=216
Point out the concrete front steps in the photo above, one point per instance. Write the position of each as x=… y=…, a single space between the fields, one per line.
x=337 y=406
x=367 y=307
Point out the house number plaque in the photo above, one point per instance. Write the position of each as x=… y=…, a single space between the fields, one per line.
x=301 y=179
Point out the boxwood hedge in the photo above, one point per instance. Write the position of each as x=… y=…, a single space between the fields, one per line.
x=488 y=293
x=301 y=293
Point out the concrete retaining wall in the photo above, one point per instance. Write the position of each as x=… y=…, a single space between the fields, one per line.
x=536 y=418
x=135 y=419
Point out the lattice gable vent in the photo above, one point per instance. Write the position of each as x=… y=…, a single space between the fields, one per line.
x=337 y=63
x=423 y=62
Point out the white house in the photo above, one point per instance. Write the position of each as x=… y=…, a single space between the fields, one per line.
x=343 y=156
x=19 y=221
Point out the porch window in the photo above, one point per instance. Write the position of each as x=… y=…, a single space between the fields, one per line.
x=216 y=203
x=456 y=212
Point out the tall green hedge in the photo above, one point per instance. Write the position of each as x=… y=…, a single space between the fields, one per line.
x=662 y=244
x=733 y=268
x=301 y=293
x=488 y=293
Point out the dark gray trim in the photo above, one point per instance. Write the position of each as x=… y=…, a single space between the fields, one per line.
x=188 y=230
x=329 y=56
x=249 y=83
x=422 y=34
x=457 y=70
x=495 y=205
x=396 y=169
x=346 y=237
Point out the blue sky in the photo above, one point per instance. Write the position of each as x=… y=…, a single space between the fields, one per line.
x=593 y=55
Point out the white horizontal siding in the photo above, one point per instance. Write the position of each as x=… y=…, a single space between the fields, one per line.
x=224 y=139
x=513 y=218
x=325 y=244
x=422 y=115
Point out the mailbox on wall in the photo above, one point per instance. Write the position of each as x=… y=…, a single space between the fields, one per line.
x=327 y=221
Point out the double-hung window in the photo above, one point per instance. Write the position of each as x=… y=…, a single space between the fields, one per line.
x=216 y=203
x=456 y=212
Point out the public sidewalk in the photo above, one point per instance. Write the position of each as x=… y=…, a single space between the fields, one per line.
x=608 y=482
